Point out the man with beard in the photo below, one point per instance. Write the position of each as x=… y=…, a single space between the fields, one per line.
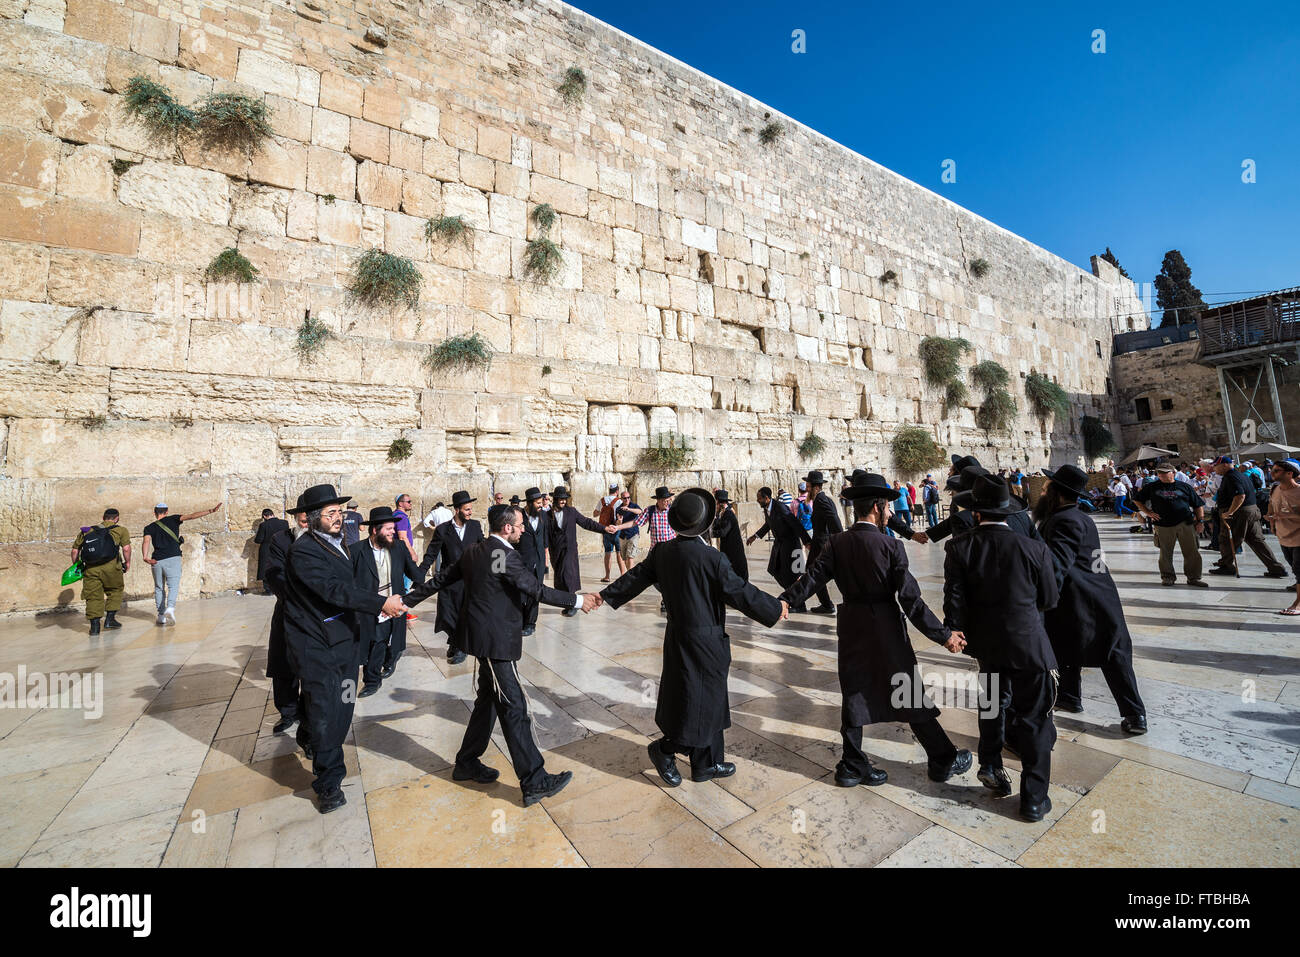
x=962 y=519
x=789 y=537
x=562 y=540
x=532 y=549
x=870 y=569
x=321 y=630
x=697 y=583
x=997 y=584
x=726 y=529
x=382 y=564
x=285 y=690
x=446 y=545
x=1087 y=626
x=825 y=523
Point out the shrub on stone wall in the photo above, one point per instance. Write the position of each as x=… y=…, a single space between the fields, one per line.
x=382 y=279
x=230 y=265
x=400 y=450
x=542 y=259
x=671 y=453
x=1045 y=397
x=312 y=335
x=997 y=412
x=772 y=131
x=1097 y=439
x=812 y=446
x=940 y=359
x=448 y=229
x=979 y=267
x=915 y=450
x=888 y=276
x=544 y=216
x=574 y=85
x=152 y=105
x=955 y=394
x=234 y=121
x=459 y=354
x=989 y=376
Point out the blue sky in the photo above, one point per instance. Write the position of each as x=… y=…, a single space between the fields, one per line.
x=1139 y=148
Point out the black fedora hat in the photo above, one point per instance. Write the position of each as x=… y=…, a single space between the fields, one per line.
x=380 y=515
x=514 y=499
x=317 y=497
x=964 y=480
x=960 y=462
x=692 y=512
x=533 y=494
x=1069 y=478
x=560 y=492
x=868 y=485
x=815 y=478
x=461 y=498
x=722 y=497
x=662 y=492
x=989 y=496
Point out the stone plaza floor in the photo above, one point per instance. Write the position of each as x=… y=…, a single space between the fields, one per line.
x=182 y=768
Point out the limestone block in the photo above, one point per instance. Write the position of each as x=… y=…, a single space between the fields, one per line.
x=271 y=74
x=339 y=222
x=552 y=453
x=137 y=340
x=460 y=452
x=679 y=390
x=343 y=94
x=37 y=330
x=507 y=451
x=312 y=448
x=551 y=416
x=420 y=117
x=208 y=53
x=565 y=197
x=452 y=411
x=459 y=200
x=245 y=495
x=26 y=510
x=180 y=190
x=368 y=141
x=229 y=562
x=595 y=453
x=86 y=172
x=259 y=208
x=331 y=173
x=85 y=279
x=182 y=245
x=37 y=217
x=510 y=180
x=330 y=130
x=441 y=161
x=280 y=162
x=53 y=55
x=81 y=501
x=32 y=572
x=379 y=185
x=620 y=420
x=29 y=159
x=501 y=414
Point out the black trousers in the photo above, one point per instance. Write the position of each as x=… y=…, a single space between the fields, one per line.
x=376 y=656
x=786 y=575
x=287 y=695
x=501 y=697
x=328 y=674
x=938 y=746
x=1119 y=676
x=531 y=607
x=702 y=757
x=823 y=596
x=1017 y=706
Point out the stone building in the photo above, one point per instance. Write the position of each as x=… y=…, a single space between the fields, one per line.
x=741 y=293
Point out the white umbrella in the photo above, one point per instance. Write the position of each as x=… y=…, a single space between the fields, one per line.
x=1270 y=450
x=1146 y=453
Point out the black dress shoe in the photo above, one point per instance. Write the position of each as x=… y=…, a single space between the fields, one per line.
x=368 y=690
x=849 y=779
x=284 y=724
x=482 y=774
x=387 y=671
x=1279 y=573
x=1217 y=570
x=665 y=764
x=823 y=610
x=1035 y=812
x=308 y=751
x=529 y=630
x=996 y=780
x=331 y=801
x=569 y=612
x=551 y=784
x=958 y=765
x=455 y=657
x=1134 y=725
x=1068 y=708
x=723 y=769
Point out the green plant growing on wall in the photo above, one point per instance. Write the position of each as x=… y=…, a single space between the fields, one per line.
x=1046 y=398
x=997 y=412
x=989 y=375
x=120 y=166
x=94 y=421
x=152 y=105
x=400 y=450
x=671 y=453
x=574 y=85
x=812 y=446
x=940 y=359
x=1097 y=439
x=979 y=268
x=915 y=450
x=234 y=121
x=542 y=259
x=772 y=131
x=546 y=370
x=544 y=216
x=312 y=335
x=447 y=229
x=459 y=354
x=328 y=199
x=230 y=265
x=888 y=276
x=955 y=394
x=382 y=279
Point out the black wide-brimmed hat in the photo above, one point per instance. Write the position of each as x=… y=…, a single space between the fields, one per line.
x=1069 y=478
x=868 y=485
x=662 y=492
x=960 y=462
x=317 y=497
x=964 y=480
x=815 y=478
x=380 y=515
x=514 y=499
x=989 y=496
x=534 y=493
x=460 y=498
x=692 y=512
x=721 y=496
x=560 y=492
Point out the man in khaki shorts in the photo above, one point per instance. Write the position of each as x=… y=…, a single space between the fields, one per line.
x=624 y=510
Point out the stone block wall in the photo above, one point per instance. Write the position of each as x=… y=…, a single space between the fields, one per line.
x=1193 y=424
x=712 y=286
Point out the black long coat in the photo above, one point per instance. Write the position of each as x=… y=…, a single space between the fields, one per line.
x=697 y=583
x=788 y=538
x=265 y=532
x=366 y=572
x=962 y=520
x=1087 y=626
x=445 y=541
x=562 y=542
x=532 y=545
x=726 y=529
x=277 y=656
x=871 y=571
x=322 y=601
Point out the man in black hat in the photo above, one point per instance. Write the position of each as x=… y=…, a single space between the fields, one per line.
x=1087 y=626
x=532 y=549
x=497 y=585
x=825 y=523
x=697 y=583
x=448 y=542
x=786 y=562
x=896 y=523
x=875 y=653
x=562 y=540
x=382 y=563
x=726 y=529
x=962 y=519
x=997 y=584
x=322 y=632
x=286 y=691
x=656 y=517
x=266 y=530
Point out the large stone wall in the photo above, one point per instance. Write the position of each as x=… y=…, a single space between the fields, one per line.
x=1193 y=424
x=712 y=286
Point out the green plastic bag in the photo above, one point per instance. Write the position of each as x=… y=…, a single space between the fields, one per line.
x=72 y=574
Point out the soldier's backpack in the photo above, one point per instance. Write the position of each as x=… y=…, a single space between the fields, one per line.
x=97 y=547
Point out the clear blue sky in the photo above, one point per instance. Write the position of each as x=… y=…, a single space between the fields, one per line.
x=1139 y=148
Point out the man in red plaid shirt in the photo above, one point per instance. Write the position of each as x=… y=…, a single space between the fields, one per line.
x=657 y=517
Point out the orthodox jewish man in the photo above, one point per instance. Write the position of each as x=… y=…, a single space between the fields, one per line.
x=875 y=653
x=786 y=561
x=997 y=584
x=532 y=549
x=726 y=529
x=562 y=541
x=1087 y=626
x=285 y=690
x=382 y=563
x=697 y=582
x=496 y=585
x=323 y=634
x=825 y=523
x=449 y=541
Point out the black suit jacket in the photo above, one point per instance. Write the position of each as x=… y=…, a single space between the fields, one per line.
x=532 y=545
x=265 y=532
x=451 y=546
x=825 y=519
x=997 y=584
x=366 y=573
x=272 y=575
x=788 y=538
x=497 y=585
x=563 y=545
x=1087 y=626
x=322 y=599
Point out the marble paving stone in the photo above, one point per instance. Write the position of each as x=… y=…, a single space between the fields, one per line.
x=435 y=822
x=1272 y=791
x=31 y=800
x=708 y=801
x=18 y=755
x=156 y=744
x=137 y=842
x=765 y=771
x=791 y=720
x=939 y=847
x=1155 y=818
x=592 y=716
x=227 y=753
x=122 y=801
x=253 y=783
x=202 y=842
x=237 y=723
x=288 y=831
x=597 y=761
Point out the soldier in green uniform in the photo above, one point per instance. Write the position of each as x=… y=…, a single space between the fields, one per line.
x=105 y=554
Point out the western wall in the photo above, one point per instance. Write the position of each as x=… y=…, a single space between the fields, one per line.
x=715 y=286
